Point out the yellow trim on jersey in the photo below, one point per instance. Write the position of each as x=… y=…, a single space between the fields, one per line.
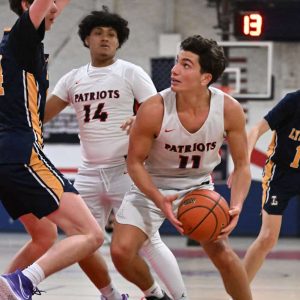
x=268 y=174
x=45 y=175
x=33 y=104
x=268 y=169
x=272 y=146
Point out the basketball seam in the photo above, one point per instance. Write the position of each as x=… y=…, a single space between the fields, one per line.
x=210 y=210
x=217 y=202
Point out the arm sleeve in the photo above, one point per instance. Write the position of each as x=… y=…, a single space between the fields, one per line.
x=61 y=89
x=142 y=85
x=284 y=109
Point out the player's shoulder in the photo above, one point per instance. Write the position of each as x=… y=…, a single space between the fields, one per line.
x=153 y=105
x=23 y=27
x=76 y=73
x=125 y=63
x=216 y=91
x=229 y=101
x=294 y=96
x=80 y=70
x=23 y=19
x=233 y=111
x=290 y=101
x=150 y=113
x=167 y=92
x=128 y=66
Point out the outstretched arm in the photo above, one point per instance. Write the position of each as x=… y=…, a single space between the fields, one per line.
x=39 y=9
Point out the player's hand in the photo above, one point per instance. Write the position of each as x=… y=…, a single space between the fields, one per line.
x=127 y=124
x=234 y=213
x=166 y=207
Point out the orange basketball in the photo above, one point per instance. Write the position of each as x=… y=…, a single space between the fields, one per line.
x=203 y=214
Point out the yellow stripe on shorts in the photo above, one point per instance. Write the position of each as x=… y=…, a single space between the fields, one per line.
x=45 y=174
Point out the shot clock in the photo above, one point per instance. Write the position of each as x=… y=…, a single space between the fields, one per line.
x=276 y=20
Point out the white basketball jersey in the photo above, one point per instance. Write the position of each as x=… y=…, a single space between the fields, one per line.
x=103 y=99
x=179 y=159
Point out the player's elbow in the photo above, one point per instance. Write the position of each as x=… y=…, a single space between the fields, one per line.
x=132 y=167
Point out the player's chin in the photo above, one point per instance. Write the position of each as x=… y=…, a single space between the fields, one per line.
x=48 y=25
x=175 y=88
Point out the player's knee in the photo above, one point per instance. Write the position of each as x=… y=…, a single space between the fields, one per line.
x=267 y=241
x=96 y=237
x=221 y=255
x=121 y=253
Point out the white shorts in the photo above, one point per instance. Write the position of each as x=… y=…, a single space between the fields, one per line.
x=103 y=189
x=138 y=210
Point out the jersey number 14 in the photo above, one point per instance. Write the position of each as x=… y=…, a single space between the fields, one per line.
x=99 y=114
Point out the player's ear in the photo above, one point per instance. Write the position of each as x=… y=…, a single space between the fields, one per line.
x=25 y=5
x=86 y=42
x=206 y=78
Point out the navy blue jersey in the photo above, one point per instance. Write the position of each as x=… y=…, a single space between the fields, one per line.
x=23 y=88
x=284 y=119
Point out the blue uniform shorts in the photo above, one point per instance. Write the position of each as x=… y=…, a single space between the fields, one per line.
x=35 y=187
x=279 y=186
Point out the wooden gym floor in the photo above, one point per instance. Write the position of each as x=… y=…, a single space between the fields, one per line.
x=278 y=279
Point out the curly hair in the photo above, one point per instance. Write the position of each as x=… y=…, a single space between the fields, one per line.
x=211 y=56
x=16 y=7
x=104 y=18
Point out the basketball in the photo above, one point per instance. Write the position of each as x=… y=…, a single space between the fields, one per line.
x=203 y=214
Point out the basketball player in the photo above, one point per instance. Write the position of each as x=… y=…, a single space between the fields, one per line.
x=102 y=94
x=31 y=189
x=280 y=177
x=174 y=146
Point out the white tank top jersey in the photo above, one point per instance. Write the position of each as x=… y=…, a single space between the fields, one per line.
x=179 y=159
x=103 y=99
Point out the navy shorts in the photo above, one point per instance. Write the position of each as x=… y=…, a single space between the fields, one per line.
x=279 y=186
x=35 y=187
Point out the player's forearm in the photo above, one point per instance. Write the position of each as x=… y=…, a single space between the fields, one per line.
x=38 y=11
x=54 y=106
x=143 y=181
x=241 y=181
x=252 y=138
x=255 y=133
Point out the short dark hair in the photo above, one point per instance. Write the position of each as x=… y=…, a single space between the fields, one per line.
x=211 y=56
x=104 y=18
x=15 y=6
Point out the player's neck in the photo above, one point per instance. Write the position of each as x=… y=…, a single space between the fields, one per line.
x=195 y=98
